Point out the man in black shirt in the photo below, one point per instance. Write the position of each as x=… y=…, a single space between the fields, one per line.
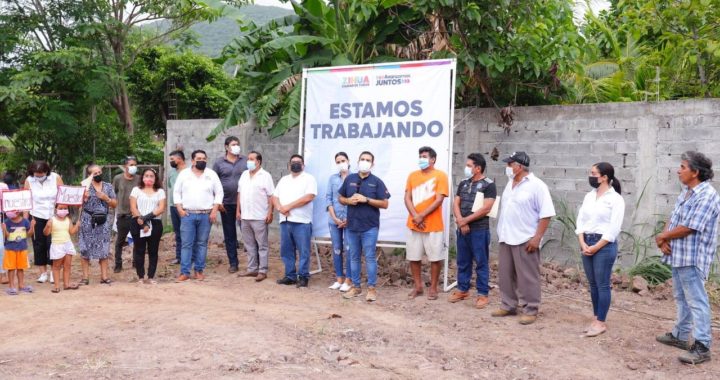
x=474 y=199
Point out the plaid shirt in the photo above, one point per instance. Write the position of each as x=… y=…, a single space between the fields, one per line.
x=698 y=212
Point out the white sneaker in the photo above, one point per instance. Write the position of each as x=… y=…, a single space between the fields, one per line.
x=345 y=287
x=52 y=280
x=335 y=286
x=43 y=278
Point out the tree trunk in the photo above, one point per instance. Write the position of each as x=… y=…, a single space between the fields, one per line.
x=121 y=104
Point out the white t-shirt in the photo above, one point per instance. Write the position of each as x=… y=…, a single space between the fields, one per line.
x=602 y=215
x=43 y=196
x=522 y=208
x=198 y=192
x=147 y=203
x=254 y=193
x=290 y=189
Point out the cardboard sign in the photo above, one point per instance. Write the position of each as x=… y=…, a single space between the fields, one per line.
x=16 y=200
x=70 y=195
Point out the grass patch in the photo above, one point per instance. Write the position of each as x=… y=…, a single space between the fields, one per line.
x=652 y=269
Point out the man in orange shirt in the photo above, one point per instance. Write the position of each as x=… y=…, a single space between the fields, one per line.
x=425 y=192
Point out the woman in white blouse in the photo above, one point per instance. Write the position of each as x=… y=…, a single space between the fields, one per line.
x=598 y=226
x=147 y=203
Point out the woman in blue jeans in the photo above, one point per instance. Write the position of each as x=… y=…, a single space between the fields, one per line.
x=598 y=225
x=337 y=223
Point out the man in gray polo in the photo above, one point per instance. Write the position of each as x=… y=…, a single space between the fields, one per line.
x=525 y=211
x=229 y=168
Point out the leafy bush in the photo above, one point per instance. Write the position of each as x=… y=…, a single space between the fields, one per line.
x=652 y=269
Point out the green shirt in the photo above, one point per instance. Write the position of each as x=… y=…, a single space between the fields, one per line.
x=172 y=177
x=123 y=187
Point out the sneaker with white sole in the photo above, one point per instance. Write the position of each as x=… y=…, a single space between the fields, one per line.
x=345 y=287
x=335 y=286
x=43 y=278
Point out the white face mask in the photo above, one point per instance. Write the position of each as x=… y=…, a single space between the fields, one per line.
x=251 y=165
x=468 y=172
x=132 y=170
x=364 y=166
x=235 y=149
x=343 y=167
x=509 y=172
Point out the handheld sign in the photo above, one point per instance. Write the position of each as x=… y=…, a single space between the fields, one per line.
x=16 y=200
x=70 y=195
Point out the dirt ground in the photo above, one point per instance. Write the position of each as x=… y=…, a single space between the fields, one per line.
x=230 y=327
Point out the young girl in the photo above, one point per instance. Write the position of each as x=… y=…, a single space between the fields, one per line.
x=62 y=250
x=16 y=230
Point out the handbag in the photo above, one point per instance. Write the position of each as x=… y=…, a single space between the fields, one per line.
x=98 y=218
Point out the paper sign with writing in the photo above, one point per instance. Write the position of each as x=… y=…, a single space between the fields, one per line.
x=16 y=200
x=70 y=195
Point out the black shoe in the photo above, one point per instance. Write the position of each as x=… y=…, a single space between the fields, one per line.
x=232 y=269
x=286 y=281
x=670 y=340
x=698 y=354
x=117 y=269
x=303 y=282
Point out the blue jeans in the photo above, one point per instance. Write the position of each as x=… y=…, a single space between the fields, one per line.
x=475 y=246
x=359 y=242
x=195 y=231
x=229 y=225
x=693 y=307
x=598 y=269
x=340 y=249
x=295 y=237
x=175 y=219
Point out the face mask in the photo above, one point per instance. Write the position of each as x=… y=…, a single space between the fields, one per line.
x=173 y=164
x=343 y=167
x=11 y=214
x=509 y=172
x=41 y=178
x=200 y=165
x=62 y=213
x=296 y=167
x=148 y=181
x=364 y=166
x=594 y=183
x=251 y=165
x=235 y=149
x=423 y=163
x=97 y=178
x=468 y=172
x=132 y=170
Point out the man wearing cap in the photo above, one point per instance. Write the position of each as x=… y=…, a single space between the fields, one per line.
x=123 y=184
x=525 y=211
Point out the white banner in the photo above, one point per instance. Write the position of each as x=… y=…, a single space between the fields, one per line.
x=390 y=110
x=16 y=200
x=70 y=195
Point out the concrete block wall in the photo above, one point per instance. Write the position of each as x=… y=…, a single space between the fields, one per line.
x=642 y=140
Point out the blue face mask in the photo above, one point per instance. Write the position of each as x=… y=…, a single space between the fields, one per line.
x=468 y=172
x=251 y=165
x=424 y=163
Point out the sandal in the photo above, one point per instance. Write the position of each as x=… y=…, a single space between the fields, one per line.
x=26 y=289
x=432 y=296
x=11 y=291
x=106 y=281
x=85 y=281
x=71 y=287
x=415 y=293
x=55 y=290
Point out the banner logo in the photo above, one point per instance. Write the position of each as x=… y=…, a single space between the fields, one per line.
x=356 y=81
x=392 y=80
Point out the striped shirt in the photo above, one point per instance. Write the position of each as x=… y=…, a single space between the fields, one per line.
x=147 y=203
x=698 y=210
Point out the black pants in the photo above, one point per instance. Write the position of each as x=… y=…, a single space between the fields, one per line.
x=151 y=244
x=123 y=228
x=41 y=243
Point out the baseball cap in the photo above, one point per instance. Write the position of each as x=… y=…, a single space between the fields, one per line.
x=520 y=157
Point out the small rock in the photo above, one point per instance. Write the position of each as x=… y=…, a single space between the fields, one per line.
x=639 y=284
x=570 y=273
x=632 y=366
x=447 y=367
x=616 y=279
x=625 y=281
x=643 y=292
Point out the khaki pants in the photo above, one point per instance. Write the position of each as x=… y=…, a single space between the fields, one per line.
x=255 y=241
x=519 y=278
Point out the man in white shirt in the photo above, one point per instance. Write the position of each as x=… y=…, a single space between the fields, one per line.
x=198 y=194
x=293 y=198
x=525 y=211
x=255 y=209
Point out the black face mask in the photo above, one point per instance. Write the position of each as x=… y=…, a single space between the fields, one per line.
x=97 y=178
x=200 y=165
x=173 y=164
x=296 y=167
x=594 y=182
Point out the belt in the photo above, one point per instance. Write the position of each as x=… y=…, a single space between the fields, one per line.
x=593 y=236
x=125 y=216
x=198 y=211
